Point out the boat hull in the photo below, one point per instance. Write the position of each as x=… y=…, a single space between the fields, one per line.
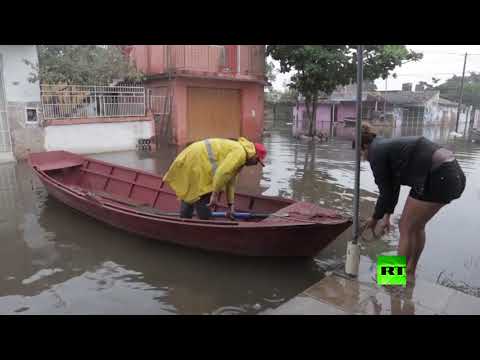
x=296 y=239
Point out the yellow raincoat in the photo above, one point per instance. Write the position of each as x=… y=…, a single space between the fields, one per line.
x=208 y=165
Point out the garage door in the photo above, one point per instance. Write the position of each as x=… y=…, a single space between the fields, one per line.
x=213 y=113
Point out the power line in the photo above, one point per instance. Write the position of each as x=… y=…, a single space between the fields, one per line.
x=438 y=52
x=426 y=74
x=446 y=52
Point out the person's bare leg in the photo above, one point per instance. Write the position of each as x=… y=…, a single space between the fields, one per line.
x=419 y=245
x=416 y=245
x=406 y=246
x=407 y=233
x=412 y=252
x=415 y=216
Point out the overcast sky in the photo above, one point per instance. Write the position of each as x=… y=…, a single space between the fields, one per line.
x=439 y=61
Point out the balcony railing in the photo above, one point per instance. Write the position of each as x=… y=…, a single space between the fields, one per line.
x=195 y=57
x=256 y=60
x=215 y=59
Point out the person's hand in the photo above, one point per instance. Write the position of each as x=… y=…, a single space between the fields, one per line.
x=387 y=225
x=231 y=212
x=213 y=201
x=371 y=224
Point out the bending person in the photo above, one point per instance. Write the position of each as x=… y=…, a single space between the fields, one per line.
x=205 y=168
x=432 y=172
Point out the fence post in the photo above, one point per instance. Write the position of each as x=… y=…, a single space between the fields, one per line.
x=274 y=113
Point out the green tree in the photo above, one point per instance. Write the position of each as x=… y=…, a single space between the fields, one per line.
x=322 y=68
x=82 y=65
x=270 y=72
x=288 y=95
x=471 y=89
x=427 y=86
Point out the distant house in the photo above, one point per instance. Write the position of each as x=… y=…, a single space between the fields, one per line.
x=19 y=99
x=419 y=108
x=391 y=108
x=338 y=108
x=212 y=90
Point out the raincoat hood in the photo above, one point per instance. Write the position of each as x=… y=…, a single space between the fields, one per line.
x=248 y=146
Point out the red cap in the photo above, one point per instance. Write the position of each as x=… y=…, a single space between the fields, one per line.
x=261 y=152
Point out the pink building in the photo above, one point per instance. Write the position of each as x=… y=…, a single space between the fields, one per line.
x=329 y=113
x=214 y=90
x=335 y=112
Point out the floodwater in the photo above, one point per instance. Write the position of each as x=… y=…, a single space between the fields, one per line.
x=54 y=260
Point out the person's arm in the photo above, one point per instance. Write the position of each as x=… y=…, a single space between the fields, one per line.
x=230 y=190
x=388 y=185
x=387 y=199
x=389 y=189
x=227 y=170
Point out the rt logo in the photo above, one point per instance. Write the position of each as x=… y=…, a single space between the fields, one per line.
x=392 y=270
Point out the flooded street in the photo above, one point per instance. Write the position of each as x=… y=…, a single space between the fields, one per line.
x=54 y=260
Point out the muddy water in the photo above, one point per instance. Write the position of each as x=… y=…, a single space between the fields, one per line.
x=56 y=261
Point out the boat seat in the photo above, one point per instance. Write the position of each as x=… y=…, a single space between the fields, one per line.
x=59 y=164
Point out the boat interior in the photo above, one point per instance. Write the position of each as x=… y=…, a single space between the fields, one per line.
x=134 y=189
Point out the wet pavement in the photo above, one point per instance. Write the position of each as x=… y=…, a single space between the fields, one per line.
x=54 y=260
x=340 y=294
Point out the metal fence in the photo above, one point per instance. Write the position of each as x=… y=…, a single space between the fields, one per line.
x=79 y=101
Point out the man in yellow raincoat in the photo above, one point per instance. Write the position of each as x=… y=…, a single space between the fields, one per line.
x=205 y=168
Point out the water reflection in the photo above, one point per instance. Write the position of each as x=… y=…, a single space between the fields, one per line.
x=60 y=261
x=323 y=173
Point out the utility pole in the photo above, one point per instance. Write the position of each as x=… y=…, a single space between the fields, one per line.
x=353 y=249
x=385 y=101
x=461 y=93
x=358 y=138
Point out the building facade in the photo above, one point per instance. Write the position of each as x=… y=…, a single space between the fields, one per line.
x=20 y=104
x=212 y=90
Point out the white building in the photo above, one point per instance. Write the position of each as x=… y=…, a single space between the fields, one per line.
x=19 y=98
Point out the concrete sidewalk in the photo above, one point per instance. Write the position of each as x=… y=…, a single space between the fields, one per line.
x=337 y=294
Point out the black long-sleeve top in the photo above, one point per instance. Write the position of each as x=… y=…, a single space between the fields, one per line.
x=398 y=161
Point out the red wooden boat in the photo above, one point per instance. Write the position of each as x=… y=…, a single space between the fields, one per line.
x=139 y=202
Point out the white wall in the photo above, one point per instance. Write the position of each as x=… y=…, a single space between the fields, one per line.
x=15 y=70
x=97 y=138
x=476 y=121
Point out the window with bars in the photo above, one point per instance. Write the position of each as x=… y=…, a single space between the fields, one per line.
x=32 y=116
